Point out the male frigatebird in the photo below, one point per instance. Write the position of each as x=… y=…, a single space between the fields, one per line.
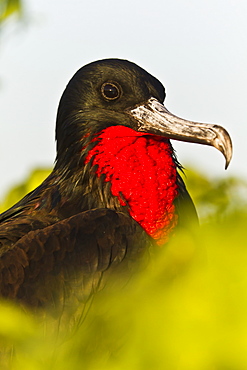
x=115 y=186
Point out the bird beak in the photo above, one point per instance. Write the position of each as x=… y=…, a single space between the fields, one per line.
x=154 y=118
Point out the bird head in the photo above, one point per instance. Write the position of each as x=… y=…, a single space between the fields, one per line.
x=114 y=92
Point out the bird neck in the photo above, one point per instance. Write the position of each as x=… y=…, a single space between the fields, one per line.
x=141 y=169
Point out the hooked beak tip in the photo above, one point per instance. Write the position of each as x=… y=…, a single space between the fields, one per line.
x=223 y=143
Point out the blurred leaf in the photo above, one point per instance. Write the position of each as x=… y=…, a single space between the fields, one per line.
x=9 y=8
x=186 y=310
x=19 y=191
x=214 y=198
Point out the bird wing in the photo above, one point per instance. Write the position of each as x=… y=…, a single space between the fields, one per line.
x=47 y=264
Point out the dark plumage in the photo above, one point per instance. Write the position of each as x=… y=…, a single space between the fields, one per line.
x=114 y=165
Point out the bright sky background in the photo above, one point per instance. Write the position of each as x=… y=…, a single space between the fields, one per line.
x=197 y=49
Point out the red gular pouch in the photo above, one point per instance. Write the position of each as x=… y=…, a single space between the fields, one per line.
x=143 y=176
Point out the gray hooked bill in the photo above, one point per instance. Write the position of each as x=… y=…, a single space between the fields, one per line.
x=154 y=118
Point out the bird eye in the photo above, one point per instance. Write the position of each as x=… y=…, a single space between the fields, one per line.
x=110 y=91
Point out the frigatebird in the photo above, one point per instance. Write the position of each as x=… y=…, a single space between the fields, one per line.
x=114 y=190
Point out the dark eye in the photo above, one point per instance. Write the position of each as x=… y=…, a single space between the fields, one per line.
x=110 y=91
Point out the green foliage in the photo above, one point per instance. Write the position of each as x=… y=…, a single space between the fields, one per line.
x=9 y=8
x=216 y=197
x=17 y=192
x=186 y=310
